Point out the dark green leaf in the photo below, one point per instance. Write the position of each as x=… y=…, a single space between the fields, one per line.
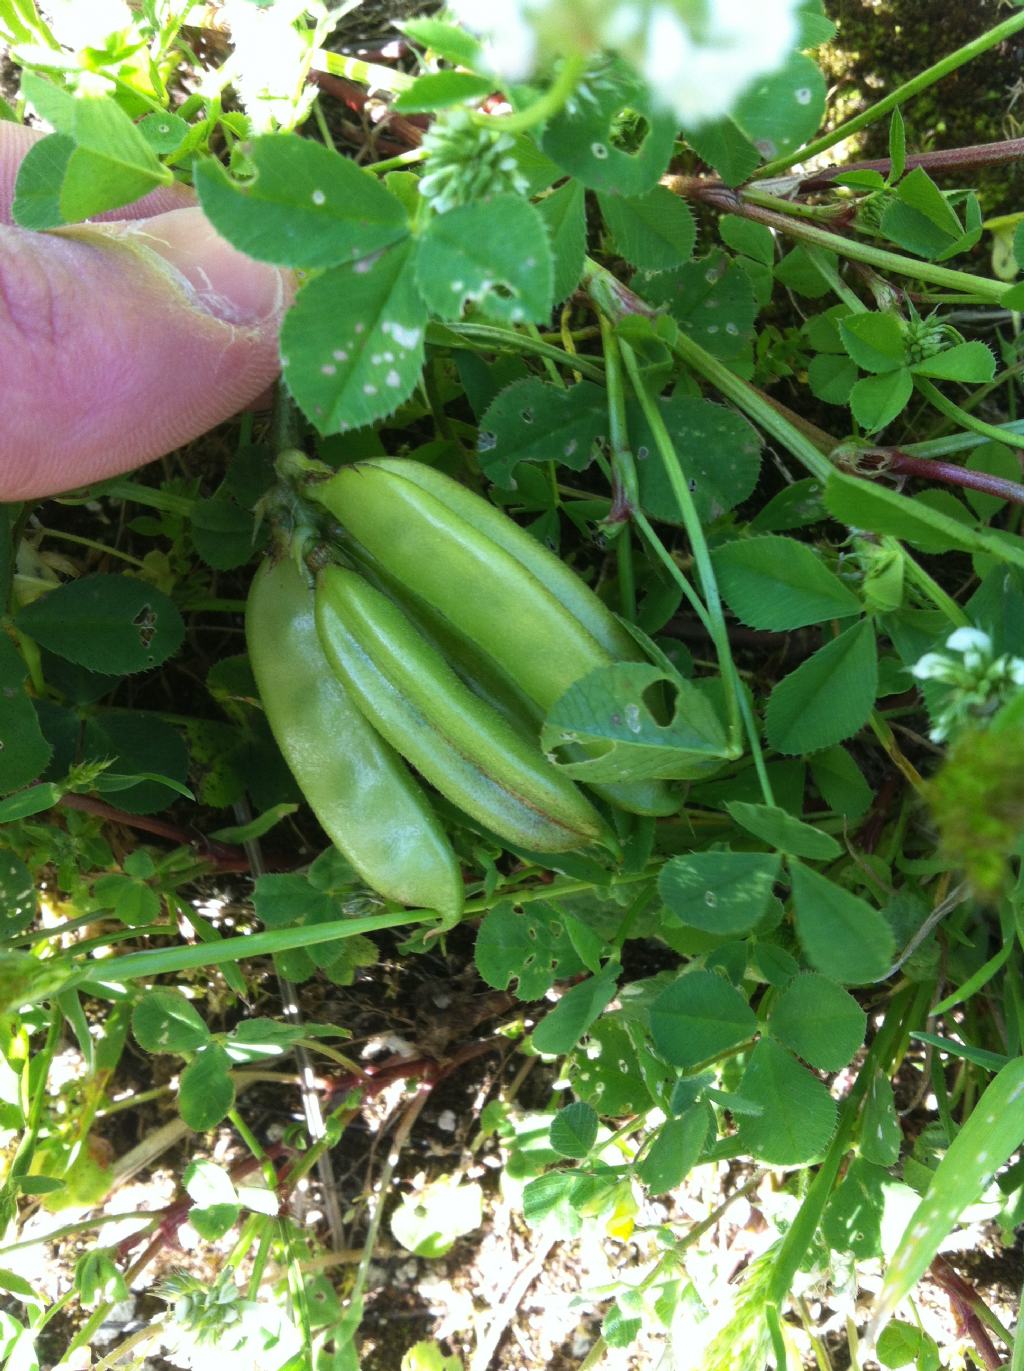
x=780 y=584
x=798 y=1114
x=534 y=421
x=711 y=299
x=306 y=207
x=784 y=832
x=164 y=1021
x=828 y=697
x=206 y=1091
x=719 y=892
x=654 y=232
x=560 y=1030
x=880 y=1132
x=719 y=453
x=17 y=894
x=529 y=945
x=581 y=139
x=111 y=624
x=574 y=1130
x=780 y=111
x=609 y=706
x=676 y=1149
x=843 y=936
x=24 y=752
x=730 y=152
x=875 y=341
x=563 y=211
x=698 y=1016
x=492 y=253
x=352 y=344
x=853 y=1218
x=819 y=1021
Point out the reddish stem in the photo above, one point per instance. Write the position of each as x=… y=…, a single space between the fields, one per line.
x=219 y=855
x=945 y=159
x=964 y=1299
x=928 y=469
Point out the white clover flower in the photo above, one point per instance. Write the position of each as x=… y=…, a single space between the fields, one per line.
x=963 y=639
x=697 y=56
x=933 y=666
x=978 y=682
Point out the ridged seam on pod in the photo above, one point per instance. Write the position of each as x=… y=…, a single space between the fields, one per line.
x=491 y=597
x=455 y=740
x=486 y=592
x=366 y=799
x=551 y=571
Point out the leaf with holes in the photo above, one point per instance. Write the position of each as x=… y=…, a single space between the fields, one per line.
x=798 y=1115
x=819 y=1021
x=843 y=936
x=528 y=945
x=654 y=232
x=352 y=344
x=698 y=1016
x=719 y=453
x=828 y=697
x=581 y=139
x=111 y=624
x=533 y=421
x=306 y=206
x=24 y=752
x=989 y=1138
x=779 y=584
x=494 y=254
x=710 y=299
x=719 y=892
x=607 y=707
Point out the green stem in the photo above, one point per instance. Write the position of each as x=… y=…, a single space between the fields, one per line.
x=698 y=543
x=959 y=442
x=910 y=88
x=823 y=261
x=403 y=159
x=930 y=587
x=961 y=281
x=900 y=1017
x=953 y=411
x=754 y=405
x=492 y=339
x=542 y=109
x=26 y=1148
x=88 y=542
x=136 y=966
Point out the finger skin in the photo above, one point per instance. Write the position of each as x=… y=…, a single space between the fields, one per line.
x=120 y=341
